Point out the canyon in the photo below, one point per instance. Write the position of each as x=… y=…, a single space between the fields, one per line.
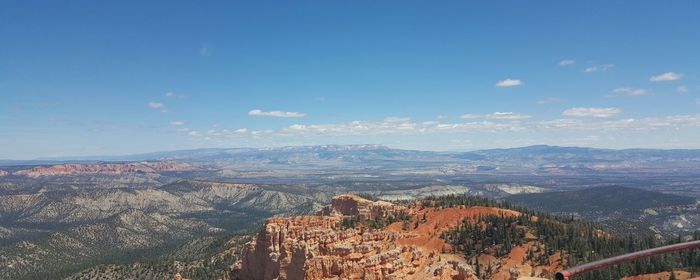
x=149 y=216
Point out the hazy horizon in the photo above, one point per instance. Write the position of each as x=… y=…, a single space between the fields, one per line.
x=109 y=157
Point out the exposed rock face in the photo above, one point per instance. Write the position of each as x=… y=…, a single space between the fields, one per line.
x=353 y=205
x=331 y=246
x=318 y=247
x=3 y=173
x=106 y=169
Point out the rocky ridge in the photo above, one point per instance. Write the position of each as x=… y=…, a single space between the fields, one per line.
x=103 y=168
x=94 y=225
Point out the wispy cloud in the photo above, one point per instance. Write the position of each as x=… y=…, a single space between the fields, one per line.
x=566 y=62
x=497 y=116
x=630 y=124
x=471 y=116
x=682 y=89
x=156 y=105
x=278 y=114
x=172 y=94
x=599 y=68
x=177 y=123
x=509 y=83
x=204 y=51
x=668 y=76
x=549 y=100
x=598 y=119
x=507 y=116
x=591 y=112
x=630 y=91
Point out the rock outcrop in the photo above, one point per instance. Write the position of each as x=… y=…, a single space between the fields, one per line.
x=353 y=205
x=3 y=173
x=320 y=247
x=104 y=168
x=356 y=238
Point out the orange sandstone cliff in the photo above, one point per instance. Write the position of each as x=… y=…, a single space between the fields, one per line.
x=324 y=247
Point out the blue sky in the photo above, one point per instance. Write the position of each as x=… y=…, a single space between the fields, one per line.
x=95 y=78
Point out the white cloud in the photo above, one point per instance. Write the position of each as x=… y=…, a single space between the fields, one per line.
x=591 y=112
x=396 y=119
x=549 y=100
x=566 y=62
x=597 y=68
x=155 y=105
x=507 y=116
x=471 y=116
x=643 y=124
x=682 y=89
x=177 y=123
x=279 y=114
x=668 y=76
x=509 y=83
x=361 y=129
x=630 y=91
x=497 y=116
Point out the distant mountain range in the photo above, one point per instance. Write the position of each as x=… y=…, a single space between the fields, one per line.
x=338 y=150
x=539 y=158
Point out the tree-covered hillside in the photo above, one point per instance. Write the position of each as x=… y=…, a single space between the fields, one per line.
x=578 y=241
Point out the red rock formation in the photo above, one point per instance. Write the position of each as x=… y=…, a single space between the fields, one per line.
x=353 y=205
x=3 y=173
x=104 y=168
x=318 y=247
x=321 y=247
